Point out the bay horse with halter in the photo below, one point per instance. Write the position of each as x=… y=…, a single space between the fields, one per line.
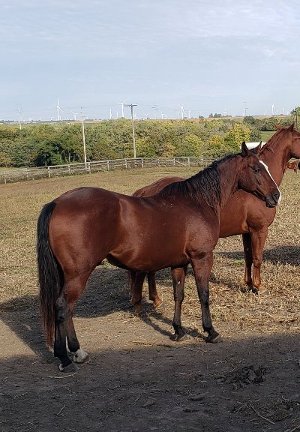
x=242 y=214
x=82 y=227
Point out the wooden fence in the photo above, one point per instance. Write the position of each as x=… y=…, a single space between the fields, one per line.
x=21 y=174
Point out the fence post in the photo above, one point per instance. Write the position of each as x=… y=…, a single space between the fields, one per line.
x=49 y=174
x=189 y=162
x=108 y=165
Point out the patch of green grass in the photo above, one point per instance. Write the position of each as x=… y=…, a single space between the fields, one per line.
x=266 y=135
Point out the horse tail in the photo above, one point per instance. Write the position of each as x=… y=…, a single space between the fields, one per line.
x=49 y=272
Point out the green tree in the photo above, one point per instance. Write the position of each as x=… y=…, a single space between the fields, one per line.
x=237 y=134
x=296 y=115
x=191 y=145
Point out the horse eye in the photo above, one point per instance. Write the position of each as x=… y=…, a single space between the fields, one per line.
x=256 y=169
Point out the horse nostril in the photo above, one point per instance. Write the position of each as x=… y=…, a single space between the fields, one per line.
x=276 y=196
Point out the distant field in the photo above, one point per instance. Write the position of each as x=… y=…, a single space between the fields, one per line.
x=266 y=135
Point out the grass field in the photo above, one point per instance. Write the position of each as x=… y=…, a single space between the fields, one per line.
x=277 y=307
x=266 y=135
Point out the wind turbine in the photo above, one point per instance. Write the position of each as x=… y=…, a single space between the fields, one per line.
x=20 y=117
x=75 y=114
x=59 y=111
x=182 y=112
x=122 y=109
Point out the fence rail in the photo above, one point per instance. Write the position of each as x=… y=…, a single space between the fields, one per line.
x=23 y=174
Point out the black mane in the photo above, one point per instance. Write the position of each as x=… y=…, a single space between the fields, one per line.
x=205 y=184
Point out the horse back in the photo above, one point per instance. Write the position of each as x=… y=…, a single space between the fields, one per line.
x=156 y=186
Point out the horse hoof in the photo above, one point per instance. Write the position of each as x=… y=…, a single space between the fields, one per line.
x=137 y=310
x=70 y=368
x=178 y=337
x=80 y=356
x=213 y=339
x=255 y=290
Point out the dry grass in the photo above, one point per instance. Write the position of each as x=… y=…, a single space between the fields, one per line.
x=276 y=309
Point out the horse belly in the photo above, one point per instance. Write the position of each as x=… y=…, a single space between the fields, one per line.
x=150 y=250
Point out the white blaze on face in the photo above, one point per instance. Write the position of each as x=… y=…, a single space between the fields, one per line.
x=268 y=171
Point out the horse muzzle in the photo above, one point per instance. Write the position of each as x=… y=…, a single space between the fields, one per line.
x=273 y=199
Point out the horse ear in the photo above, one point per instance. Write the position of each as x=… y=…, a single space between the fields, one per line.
x=291 y=128
x=245 y=150
x=256 y=150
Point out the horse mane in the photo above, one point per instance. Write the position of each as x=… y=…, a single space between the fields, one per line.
x=206 y=184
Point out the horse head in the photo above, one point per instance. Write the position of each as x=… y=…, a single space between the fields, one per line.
x=255 y=177
x=295 y=141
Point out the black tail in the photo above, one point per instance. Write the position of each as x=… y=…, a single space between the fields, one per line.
x=49 y=271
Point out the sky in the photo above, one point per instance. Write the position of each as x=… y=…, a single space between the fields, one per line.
x=171 y=58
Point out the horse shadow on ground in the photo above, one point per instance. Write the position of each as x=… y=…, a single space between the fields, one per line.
x=278 y=255
x=250 y=384
x=107 y=292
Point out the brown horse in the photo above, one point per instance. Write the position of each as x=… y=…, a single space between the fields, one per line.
x=243 y=214
x=80 y=228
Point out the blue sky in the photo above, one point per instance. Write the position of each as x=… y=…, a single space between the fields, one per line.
x=229 y=56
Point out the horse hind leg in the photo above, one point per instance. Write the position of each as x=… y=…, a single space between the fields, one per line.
x=153 y=295
x=65 y=335
x=60 y=347
x=78 y=354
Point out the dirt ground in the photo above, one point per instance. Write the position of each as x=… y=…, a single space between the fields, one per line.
x=137 y=379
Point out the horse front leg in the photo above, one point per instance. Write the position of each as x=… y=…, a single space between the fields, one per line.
x=153 y=295
x=248 y=259
x=178 y=278
x=202 y=269
x=258 y=239
x=136 y=288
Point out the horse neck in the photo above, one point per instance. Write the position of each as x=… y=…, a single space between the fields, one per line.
x=228 y=171
x=276 y=155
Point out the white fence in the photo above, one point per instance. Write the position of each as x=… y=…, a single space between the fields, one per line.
x=21 y=174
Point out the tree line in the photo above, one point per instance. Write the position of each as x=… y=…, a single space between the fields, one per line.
x=59 y=143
